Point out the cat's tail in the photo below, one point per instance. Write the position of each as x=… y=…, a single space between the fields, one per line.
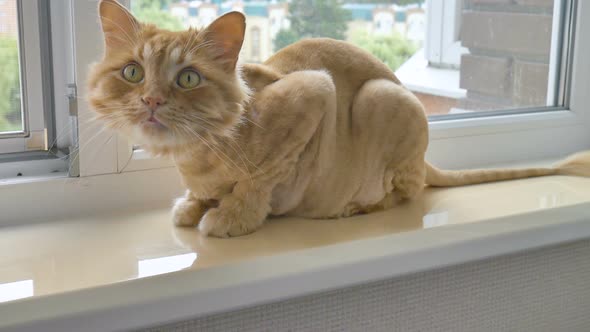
x=576 y=165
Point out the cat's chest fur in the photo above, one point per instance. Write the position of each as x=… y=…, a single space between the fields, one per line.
x=206 y=176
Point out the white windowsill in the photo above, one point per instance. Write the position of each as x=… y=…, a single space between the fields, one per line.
x=418 y=76
x=92 y=272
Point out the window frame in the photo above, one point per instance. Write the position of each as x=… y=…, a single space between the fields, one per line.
x=455 y=143
x=442 y=45
x=50 y=160
x=33 y=52
x=459 y=143
x=101 y=151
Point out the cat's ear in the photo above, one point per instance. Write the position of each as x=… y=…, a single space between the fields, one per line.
x=118 y=25
x=227 y=35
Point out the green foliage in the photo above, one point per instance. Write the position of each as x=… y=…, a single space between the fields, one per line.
x=285 y=38
x=319 y=18
x=147 y=4
x=314 y=18
x=153 y=11
x=10 y=106
x=397 y=2
x=392 y=49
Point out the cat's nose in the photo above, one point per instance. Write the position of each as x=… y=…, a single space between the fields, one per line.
x=153 y=102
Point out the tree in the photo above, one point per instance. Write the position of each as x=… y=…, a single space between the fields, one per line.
x=285 y=38
x=10 y=106
x=314 y=18
x=146 y=4
x=153 y=11
x=392 y=49
x=397 y=2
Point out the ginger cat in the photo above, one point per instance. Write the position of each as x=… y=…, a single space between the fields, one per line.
x=321 y=130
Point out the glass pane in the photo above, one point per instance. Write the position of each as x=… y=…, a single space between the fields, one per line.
x=11 y=112
x=457 y=56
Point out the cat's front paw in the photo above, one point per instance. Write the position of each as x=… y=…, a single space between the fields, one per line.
x=221 y=223
x=187 y=212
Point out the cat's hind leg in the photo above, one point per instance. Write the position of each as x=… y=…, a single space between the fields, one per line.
x=391 y=125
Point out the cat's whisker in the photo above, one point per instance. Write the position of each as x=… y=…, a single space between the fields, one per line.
x=200 y=118
x=195 y=48
x=241 y=156
x=129 y=38
x=120 y=39
x=64 y=131
x=230 y=138
x=136 y=25
x=102 y=115
x=126 y=163
x=95 y=136
x=237 y=144
x=199 y=46
x=190 y=41
x=78 y=150
x=216 y=149
x=203 y=120
x=132 y=20
x=192 y=133
x=100 y=149
x=252 y=122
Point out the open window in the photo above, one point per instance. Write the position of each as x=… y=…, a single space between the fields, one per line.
x=496 y=77
x=35 y=124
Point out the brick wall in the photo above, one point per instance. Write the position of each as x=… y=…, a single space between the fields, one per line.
x=509 y=44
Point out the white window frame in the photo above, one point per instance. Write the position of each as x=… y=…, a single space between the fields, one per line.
x=33 y=137
x=482 y=141
x=454 y=143
x=443 y=23
x=101 y=152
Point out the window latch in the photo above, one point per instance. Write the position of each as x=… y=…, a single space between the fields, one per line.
x=72 y=95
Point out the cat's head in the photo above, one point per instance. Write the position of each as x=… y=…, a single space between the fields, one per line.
x=166 y=89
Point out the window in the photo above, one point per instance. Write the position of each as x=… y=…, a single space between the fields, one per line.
x=22 y=124
x=494 y=94
x=459 y=56
x=29 y=122
x=479 y=67
x=11 y=110
x=473 y=138
x=255 y=46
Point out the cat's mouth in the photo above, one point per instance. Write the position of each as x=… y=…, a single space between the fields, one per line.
x=153 y=120
x=152 y=123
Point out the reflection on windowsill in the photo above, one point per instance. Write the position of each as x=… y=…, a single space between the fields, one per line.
x=16 y=290
x=552 y=200
x=162 y=265
x=435 y=219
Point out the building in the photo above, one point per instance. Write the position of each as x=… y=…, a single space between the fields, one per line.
x=8 y=18
x=267 y=18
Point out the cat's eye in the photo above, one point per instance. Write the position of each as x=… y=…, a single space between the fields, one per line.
x=133 y=73
x=188 y=79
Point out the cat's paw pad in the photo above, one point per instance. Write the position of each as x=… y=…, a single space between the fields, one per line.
x=186 y=213
x=219 y=223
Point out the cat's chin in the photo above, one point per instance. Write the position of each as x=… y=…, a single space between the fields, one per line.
x=148 y=133
x=154 y=129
